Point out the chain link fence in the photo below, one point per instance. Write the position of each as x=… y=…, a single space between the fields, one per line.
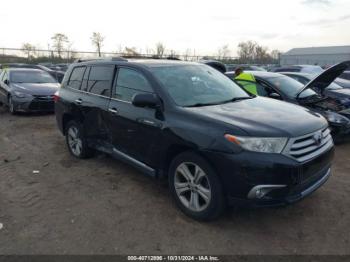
x=36 y=56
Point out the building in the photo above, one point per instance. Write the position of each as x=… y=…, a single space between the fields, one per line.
x=323 y=56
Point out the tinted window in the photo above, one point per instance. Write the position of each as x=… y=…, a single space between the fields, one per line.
x=130 y=82
x=191 y=85
x=76 y=77
x=100 y=80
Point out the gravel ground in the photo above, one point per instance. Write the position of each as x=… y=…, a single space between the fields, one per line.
x=102 y=206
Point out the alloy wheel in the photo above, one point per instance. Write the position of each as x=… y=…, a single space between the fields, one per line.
x=192 y=186
x=74 y=141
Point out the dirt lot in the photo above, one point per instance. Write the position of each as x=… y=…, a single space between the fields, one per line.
x=102 y=206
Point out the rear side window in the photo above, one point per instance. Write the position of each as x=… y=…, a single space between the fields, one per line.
x=130 y=82
x=76 y=77
x=100 y=80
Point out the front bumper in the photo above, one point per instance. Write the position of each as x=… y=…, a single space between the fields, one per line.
x=33 y=104
x=240 y=173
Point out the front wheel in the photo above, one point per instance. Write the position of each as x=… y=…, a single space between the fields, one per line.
x=195 y=186
x=11 y=106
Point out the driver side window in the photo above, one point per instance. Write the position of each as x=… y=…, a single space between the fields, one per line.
x=261 y=89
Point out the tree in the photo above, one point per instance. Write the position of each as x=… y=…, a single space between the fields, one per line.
x=246 y=51
x=160 y=48
x=131 y=51
x=223 y=52
x=28 y=49
x=275 y=54
x=97 y=40
x=59 y=41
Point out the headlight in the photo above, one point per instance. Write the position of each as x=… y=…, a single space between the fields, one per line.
x=21 y=95
x=259 y=144
x=336 y=118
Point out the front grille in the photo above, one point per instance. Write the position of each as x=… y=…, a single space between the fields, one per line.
x=42 y=103
x=309 y=146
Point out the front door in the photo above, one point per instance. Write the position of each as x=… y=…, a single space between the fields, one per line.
x=133 y=129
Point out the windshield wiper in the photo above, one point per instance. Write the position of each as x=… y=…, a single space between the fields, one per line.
x=222 y=102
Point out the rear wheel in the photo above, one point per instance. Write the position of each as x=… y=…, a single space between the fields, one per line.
x=195 y=186
x=76 y=141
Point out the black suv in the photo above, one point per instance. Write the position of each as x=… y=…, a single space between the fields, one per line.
x=189 y=123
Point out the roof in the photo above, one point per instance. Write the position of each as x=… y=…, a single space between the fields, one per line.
x=323 y=50
x=21 y=69
x=144 y=62
x=309 y=76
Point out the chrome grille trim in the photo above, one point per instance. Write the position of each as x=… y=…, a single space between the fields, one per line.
x=306 y=147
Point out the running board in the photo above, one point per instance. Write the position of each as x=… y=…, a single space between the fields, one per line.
x=130 y=160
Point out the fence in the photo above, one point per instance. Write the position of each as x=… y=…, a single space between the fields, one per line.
x=17 y=55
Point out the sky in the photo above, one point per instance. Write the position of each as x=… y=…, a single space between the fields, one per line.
x=200 y=25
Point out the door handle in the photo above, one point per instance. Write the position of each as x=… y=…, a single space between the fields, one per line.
x=78 y=101
x=113 y=110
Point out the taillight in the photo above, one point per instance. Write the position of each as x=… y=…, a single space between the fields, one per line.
x=56 y=96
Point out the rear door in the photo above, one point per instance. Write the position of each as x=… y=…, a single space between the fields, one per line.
x=133 y=129
x=96 y=86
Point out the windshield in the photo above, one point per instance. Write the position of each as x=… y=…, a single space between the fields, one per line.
x=290 y=87
x=191 y=85
x=314 y=70
x=31 y=77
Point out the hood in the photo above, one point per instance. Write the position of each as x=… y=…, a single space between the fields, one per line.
x=324 y=79
x=44 y=89
x=265 y=117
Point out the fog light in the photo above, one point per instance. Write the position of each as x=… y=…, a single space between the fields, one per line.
x=260 y=191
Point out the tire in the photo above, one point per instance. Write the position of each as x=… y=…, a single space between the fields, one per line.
x=76 y=141
x=200 y=197
x=11 y=106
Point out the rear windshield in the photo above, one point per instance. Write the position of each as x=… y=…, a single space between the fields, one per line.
x=31 y=77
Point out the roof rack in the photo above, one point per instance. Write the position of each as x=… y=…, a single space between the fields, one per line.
x=80 y=60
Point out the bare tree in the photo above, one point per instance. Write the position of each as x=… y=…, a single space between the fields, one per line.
x=59 y=41
x=131 y=51
x=28 y=49
x=187 y=54
x=160 y=48
x=97 y=40
x=275 y=54
x=224 y=52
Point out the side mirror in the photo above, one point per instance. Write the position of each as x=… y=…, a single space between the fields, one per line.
x=145 y=100
x=6 y=82
x=275 y=96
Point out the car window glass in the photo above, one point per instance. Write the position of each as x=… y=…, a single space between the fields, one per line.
x=130 y=82
x=260 y=89
x=100 y=80
x=76 y=77
x=2 y=75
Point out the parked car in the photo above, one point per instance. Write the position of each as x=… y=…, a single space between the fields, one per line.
x=309 y=69
x=189 y=123
x=281 y=87
x=27 y=90
x=245 y=67
x=342 y=95
x=345 y=75
x=58 y=75
x=342 y=82
x=215 y=64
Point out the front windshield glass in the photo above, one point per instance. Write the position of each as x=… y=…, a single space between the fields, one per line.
x=31 y=77
x=290 y=87
x=191 y=85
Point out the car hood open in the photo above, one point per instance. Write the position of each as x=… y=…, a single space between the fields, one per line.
x=324 y=79
x=264 y=117
x=44 y=89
